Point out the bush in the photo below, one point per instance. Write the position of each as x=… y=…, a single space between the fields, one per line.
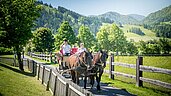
x=5 y=51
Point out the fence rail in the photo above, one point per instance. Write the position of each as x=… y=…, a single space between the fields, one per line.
x=139 y=71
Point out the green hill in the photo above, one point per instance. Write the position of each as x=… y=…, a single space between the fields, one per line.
x=163 y=15
x=53 y=17
x=148 y=33
x=160 y=22
x=118 y=18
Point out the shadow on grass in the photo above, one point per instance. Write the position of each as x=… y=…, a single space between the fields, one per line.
x=17 y=70
x=1 y=94
x=107 y=90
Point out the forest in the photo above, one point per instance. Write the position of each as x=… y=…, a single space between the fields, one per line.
x=53 y=25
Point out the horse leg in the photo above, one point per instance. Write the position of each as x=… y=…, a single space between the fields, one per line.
x=85 y=82
x=92 y=81
x=73 y=76
x=100 y=75
x=99 y=79
x=98 y=82
x=77 y=77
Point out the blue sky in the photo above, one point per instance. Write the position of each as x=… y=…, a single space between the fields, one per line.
x=96 y=7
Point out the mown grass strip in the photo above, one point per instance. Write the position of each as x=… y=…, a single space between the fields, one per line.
x=13 y=82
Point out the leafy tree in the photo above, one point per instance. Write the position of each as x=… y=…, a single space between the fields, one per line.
x=150 y=47
x=111 y=37
x=85 y=36
x=103 y=37
x=131 y=48
x=165 y=45
x=16 y=21
x=64 y=32
x=142 y=47
x=43 y=40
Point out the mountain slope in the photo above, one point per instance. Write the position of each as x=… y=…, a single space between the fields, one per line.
x=118 y=18
x=52 y=18
x=163 y=15
x=137 y=17
x=159 y=22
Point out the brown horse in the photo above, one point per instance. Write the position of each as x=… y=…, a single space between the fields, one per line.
x=99 y=63
x=78 y=65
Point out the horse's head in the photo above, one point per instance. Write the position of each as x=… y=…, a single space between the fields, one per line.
x=86 y=57
x=103 y=56
x=100 y=57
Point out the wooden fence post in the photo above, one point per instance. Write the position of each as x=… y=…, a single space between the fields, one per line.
x=111 y=66
x=28 y=63
x=50 y=73
x=51 y=57
x=67 y=87
x=55 y=61
x=54 y=92
x=38 y=72
x=138 y=72
x=33 y=67
x=43 y=74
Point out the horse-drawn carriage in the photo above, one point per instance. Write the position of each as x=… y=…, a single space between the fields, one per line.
x=84 y=64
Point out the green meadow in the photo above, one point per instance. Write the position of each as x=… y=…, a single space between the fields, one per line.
x=147 y=89
x=149 y=35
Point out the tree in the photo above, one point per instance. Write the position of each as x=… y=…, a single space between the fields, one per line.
x=111 y=37
x=131 y=48
x=165 y=45
x=85 y=36
x=43 y=39
x=64 y=32
x=103 y=37
x=16 y=21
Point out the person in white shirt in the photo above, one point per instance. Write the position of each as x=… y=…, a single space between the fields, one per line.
x=66 y=48
x=81 y=49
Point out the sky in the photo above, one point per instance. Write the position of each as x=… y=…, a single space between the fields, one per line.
x=97 y=7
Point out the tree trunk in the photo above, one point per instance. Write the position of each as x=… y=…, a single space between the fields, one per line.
x=19 y=58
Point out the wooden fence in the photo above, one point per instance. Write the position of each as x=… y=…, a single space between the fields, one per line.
x=51 y=57
x=56 y=83
x=138 y=67
x=139 y=72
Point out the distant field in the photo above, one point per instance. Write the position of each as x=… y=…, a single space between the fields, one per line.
x=148 y=33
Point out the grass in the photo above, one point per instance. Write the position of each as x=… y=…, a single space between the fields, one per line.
x=128 y=84
x=151 y=90
x=155 y=61
x=148 y=33
x=16 y=83
x=8 y=56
